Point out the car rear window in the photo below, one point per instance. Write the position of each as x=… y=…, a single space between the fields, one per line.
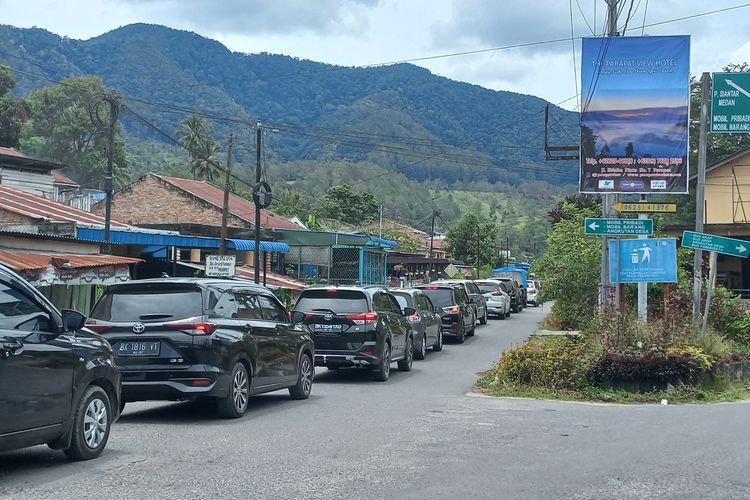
x=403 y=299
x=487 y=287
x=149 y=305
x=338 y=301
x=441 y=297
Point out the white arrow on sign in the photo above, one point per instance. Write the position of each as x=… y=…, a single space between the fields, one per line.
x=741 y=248
x=594 y=226
x=732 y=84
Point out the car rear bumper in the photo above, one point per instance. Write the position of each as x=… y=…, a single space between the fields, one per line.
x=341 y=358
x=144 y=385
x=495 y=308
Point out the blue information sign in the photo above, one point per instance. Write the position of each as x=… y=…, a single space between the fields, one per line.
x=651 y=260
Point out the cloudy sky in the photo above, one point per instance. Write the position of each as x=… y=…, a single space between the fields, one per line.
x=360 y=32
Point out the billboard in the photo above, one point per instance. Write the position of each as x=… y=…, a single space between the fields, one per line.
x=635 y=101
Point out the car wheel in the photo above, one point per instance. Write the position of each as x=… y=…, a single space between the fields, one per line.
x=473 y=328
x=439 y=344
x=122 y=405
x=303 y=387
x=483 y=321
x=461 y=334
x=383 y=370
x=422 y=351
x=91 y=424
x=404 y=365
x=234 y=404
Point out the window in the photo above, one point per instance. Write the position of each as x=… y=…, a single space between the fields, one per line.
x=394 y=305
x=443 y=297
x=334 y=300
x=149 y=305
x=19 y=312
x=382 y=303
x=247 y=306
x=424 y=303
x=461 y=297
x=225 y=306
x=272 y=310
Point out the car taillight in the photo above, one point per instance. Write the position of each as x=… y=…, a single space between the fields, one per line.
x=497 y=293
x=414 y=317
x=193 y=328
x=363 y=318
x=98 y=328
x=453 y=310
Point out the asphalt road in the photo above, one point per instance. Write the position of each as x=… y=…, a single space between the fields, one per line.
x=419 y=435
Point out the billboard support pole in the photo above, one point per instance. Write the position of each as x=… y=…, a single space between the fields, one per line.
x=643 y=287
x=700 y=194
x=710 y=291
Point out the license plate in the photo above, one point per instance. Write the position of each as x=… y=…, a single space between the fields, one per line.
x=138 y=348
x=328 y=328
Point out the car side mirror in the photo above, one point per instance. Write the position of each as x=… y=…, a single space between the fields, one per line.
x=409 y=311
x=438 y=310
x=297 y=317
x=72 y=320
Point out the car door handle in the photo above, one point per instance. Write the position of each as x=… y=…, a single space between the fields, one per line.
x=10 y=347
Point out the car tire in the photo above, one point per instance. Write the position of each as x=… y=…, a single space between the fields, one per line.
x=483 y=321
x=438 y=346
x=473 y=328
x=404 y=365
x=461 y=334
x=422 y=351
x=91 y=425
x=234 y=404
x=383 y=371
x=501 y=315
x=305 y=377
x=122 y=405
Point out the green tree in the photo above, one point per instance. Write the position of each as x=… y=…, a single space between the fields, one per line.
x=292 y=203
x=11 y=111
x=470 y=239
x=195 y=134
x=353 y=207
x=570 y=269
x=61 y=129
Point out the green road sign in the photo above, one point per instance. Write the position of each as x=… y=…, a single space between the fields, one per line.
x=593 y=225
x=713 y=243
x=730 y=103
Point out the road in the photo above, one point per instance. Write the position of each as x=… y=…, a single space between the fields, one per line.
x=419 y=435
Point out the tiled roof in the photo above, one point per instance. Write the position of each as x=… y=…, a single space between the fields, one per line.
x=239 y=207
x=273 y=279
x=61 y=178
x=38 y=207
x=13 y=152
x=23 y=260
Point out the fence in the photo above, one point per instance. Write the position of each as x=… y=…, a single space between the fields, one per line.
x=343 y=265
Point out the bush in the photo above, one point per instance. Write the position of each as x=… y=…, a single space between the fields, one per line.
x=676 y=366
x=738 y=330
x=547 y=363
x=726 y=308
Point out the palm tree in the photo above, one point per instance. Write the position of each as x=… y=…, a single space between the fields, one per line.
x=195 y=135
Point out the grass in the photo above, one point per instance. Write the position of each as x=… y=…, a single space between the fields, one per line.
x=719 y=390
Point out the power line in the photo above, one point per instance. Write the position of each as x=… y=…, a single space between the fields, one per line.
x=643 y=26
x=584 y=17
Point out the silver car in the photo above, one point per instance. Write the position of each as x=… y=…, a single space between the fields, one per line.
x=497 y=295
x=425 y=322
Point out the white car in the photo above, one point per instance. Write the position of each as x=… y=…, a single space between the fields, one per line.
x=531 y=293
x=497 y=295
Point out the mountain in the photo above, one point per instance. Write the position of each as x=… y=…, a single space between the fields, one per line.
x=318 y=111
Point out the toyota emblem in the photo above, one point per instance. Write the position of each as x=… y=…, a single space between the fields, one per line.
x=139 y=328
x=328 y=317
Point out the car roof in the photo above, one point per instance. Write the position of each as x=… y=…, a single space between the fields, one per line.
x=368 y=289
x=205 y=282
x=410 y=291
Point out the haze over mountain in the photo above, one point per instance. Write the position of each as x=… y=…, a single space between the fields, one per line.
x=399 y=116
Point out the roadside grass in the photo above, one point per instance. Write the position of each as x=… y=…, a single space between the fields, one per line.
x=716 y=391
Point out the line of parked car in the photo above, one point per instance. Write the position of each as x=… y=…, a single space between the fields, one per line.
x=66 y=378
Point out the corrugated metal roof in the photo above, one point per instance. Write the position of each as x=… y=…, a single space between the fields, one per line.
x=13 y=152
x=40 y=208
x=239 y=207
x=131 y=237
x=61 y=178
x=272 y=279
x=23 y=260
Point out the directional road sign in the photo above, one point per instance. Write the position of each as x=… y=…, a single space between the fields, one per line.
x=730 y=103
x=645 y=207
x=651 y=260
x=594 y=225
x=713 y=243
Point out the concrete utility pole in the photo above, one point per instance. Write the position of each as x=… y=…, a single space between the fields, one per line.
x=700 y=189
x=607 y=199
x=258 y=156
x=114 y=109
x=479 y=243
x=225 y=210
x=380 y=224
x=432 y=231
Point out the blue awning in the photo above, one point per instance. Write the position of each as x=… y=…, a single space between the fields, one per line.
x=128 y=237
x=374 y=240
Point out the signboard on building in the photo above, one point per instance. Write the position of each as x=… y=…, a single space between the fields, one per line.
x=730 y=103
x=652 y=260
x=635 y=109
x=220 y=266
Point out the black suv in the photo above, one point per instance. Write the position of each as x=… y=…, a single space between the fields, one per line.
x=518 y=294
x=452 y=303
x=356 y=326
x=184 y=338
x=476 y=299
x=58 y=382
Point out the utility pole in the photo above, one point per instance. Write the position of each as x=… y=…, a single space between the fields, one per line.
x=225 y=211
x=258 y=156
x=114 y=109
x=476 y=261
x=607 y=199
x=380 y=234
x=700 y=192
x=432 y=231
